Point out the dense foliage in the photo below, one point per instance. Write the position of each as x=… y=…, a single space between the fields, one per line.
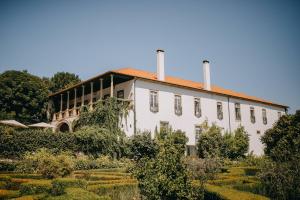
x=48 y=164
x=14 y=142
x=212 y=143
x=142 y=145
x=281 y=176
x=22 y=97
x=165 y=176
x=62 y=80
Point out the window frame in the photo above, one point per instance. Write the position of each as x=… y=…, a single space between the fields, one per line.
x=238 y=115
x=264 y=116
x=220 y=115
x=154 y=106
x=178 y=106
x=197 y=112
x=252 y=118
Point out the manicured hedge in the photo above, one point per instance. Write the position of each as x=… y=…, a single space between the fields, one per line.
x=60 y=184
x=117 y=191
x=251 y=171
x=16 y=143
x=213 y=192
x=36 y=187
x=78 y=194
x=5 y=194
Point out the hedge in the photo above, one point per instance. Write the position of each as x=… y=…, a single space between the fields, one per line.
x=5 y=194
x=60 y=184
x=31 y=197
x=15 y=144
x=36 y=187
x=117 y=191
x=213 y=192
x=78 y=194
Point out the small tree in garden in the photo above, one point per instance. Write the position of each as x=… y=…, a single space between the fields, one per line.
x=281 y=177
x=165 y=176
x=210 y=141
x=142 y=145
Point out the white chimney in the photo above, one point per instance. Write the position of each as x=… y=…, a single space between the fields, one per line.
x=206 y=75
x=160 y=64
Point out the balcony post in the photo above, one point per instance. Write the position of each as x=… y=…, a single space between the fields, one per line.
x=111 y=85
x=82 y=97
x=92 y=94
x=75 y=102
x=68 y=104
x=61 y=102
x=101 y=88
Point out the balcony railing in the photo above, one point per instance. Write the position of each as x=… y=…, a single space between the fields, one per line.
x=75 y=112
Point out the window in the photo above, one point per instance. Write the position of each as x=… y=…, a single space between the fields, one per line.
x=120 y=94
x=237 y=111
x=197 y=107
x=252 y=115
x=279 y=115
x=258 y=131
x=164 y=125
x=198 y=131
x=153 y=101
x=264 y=116
x=177 y=105
x=219 y=110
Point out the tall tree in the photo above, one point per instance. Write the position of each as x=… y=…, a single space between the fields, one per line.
x=62 y=80
x=23 y=97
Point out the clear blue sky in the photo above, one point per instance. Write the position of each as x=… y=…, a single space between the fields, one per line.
x=253 y=46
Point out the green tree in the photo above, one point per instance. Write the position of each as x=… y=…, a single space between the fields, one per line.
x=22 y=97
x=142 y=145
x=281 y=177
x=210 y=141
x=165 y=176
x=62 y=80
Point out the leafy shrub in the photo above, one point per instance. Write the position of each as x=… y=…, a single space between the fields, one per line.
x=35 y=187
x=203 y=169
x=8 y=165
x=281 y=177
x=141 y=145
x=48 y=164
x=165 y=176
x=210 y=141
x=95 y=140
x=60 y=184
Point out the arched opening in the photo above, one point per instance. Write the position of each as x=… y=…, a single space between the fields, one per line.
x=64 y=127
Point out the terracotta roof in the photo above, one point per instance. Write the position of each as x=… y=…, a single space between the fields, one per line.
x=191 y=84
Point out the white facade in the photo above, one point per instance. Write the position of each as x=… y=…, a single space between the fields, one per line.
x=139 y=91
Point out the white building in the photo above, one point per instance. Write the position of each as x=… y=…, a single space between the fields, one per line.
x=158 y=100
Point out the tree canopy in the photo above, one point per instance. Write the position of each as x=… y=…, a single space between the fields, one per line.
x=22 y=97
x=62 y=80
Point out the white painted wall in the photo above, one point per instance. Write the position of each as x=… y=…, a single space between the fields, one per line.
x=147 y=120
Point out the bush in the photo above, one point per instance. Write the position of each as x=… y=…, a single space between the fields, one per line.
x=6 y=194
x=281 y=177
x=35 y=187
x=210 y=141
x=48 y=164
x=60 y=184
x=8 y=165
x=14 y=142
x=141 y=145
x=165 y=176
x=94 y=140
